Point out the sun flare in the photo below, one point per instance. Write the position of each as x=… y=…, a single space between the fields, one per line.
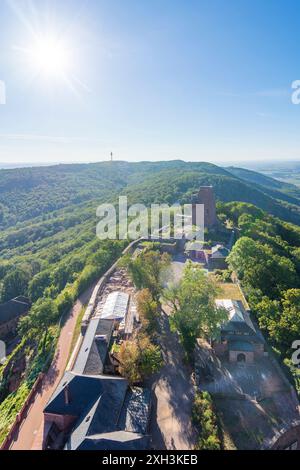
x=50 y=55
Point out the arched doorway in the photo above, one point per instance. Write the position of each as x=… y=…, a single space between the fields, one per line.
x=241 y=357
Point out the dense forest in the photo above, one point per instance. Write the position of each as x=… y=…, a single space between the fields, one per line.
x=38 y=194
x=266 y=258
x=45 y=246
x=50 y=253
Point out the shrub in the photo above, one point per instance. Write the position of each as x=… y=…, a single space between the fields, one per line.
x=205 y=420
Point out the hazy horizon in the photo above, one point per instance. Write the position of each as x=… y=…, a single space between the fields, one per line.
x=247 y=164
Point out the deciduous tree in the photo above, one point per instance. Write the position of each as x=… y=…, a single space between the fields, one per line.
x=195 y=313
x=42 y=315
x=147 y=271
x=139 y=359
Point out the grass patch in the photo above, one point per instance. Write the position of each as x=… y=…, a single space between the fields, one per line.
x=233 y=292
x=226 y=439
x=77 y=330
x=10 y=407
x=115 y=349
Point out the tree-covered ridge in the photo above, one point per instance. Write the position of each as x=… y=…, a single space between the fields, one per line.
x=42 y=193
x=265 y=181
x=284 y=192
x=172 y=186
x=57 y=238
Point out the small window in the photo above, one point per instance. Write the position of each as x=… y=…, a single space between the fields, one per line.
x=241 y=357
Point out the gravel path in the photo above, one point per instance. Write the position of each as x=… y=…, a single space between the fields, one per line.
x=173 y=394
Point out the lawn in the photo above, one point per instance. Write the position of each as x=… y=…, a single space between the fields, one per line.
x=77 y=329
x=233 y=292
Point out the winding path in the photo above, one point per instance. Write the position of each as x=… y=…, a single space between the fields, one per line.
x=171 y=426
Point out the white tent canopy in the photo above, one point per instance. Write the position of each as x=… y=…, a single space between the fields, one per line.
x=116 y=305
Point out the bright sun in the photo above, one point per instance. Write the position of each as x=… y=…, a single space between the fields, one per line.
x=50 y=56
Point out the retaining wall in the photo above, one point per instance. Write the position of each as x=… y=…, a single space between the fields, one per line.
x=22 y=414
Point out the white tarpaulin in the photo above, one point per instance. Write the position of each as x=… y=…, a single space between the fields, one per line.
x=115 y=307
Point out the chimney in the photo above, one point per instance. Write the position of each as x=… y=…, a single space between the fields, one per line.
x=67 y=395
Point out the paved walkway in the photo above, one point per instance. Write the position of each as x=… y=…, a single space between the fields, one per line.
x=173 y=395
x=30 y=435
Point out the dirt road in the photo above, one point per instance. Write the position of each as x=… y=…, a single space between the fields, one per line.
x=30 y=434
x=171 y=413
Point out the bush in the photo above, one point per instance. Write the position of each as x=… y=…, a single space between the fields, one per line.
x=205 y=420
x=139 y=359
x=148 y=310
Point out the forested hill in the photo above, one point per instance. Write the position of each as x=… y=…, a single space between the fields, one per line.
x=263 y=180
x=49 y=250
x=41 y=193
x=291 y=192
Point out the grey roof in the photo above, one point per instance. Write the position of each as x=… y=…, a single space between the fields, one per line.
x=102 y=416
x=13 y=309
x=238 y=319
x=251 y=338
x=236 y=327
x=94 y=349
x=240 y=346
x=114 y=423
x=107 y=413
x=83 y=390
x=219 y=251
x=135 y=413
x=118 y=440
x=123 y=415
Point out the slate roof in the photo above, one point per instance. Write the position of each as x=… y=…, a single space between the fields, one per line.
x=241 y=346
x=119 y=440
x=250 y=339
x=84 y=390
x=13 y=309
x=108 y=413
x=219 y=251
x=135 y=412
x=102 y=416
x=94 y=349
x=238 y=319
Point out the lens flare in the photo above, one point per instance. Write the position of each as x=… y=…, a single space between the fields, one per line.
x=50 y=56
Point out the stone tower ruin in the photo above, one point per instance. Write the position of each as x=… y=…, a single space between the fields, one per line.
x=206 y=197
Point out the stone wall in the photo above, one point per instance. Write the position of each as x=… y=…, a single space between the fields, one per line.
x=291 y=438
x=63 y=422
x=287 y=439
x=8 y=327
x=220 y=349
x=249 y=356
x=259 y=350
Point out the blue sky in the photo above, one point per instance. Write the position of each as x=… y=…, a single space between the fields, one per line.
x=205 y=80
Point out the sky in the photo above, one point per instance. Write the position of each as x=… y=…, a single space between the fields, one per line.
x=199 y=80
